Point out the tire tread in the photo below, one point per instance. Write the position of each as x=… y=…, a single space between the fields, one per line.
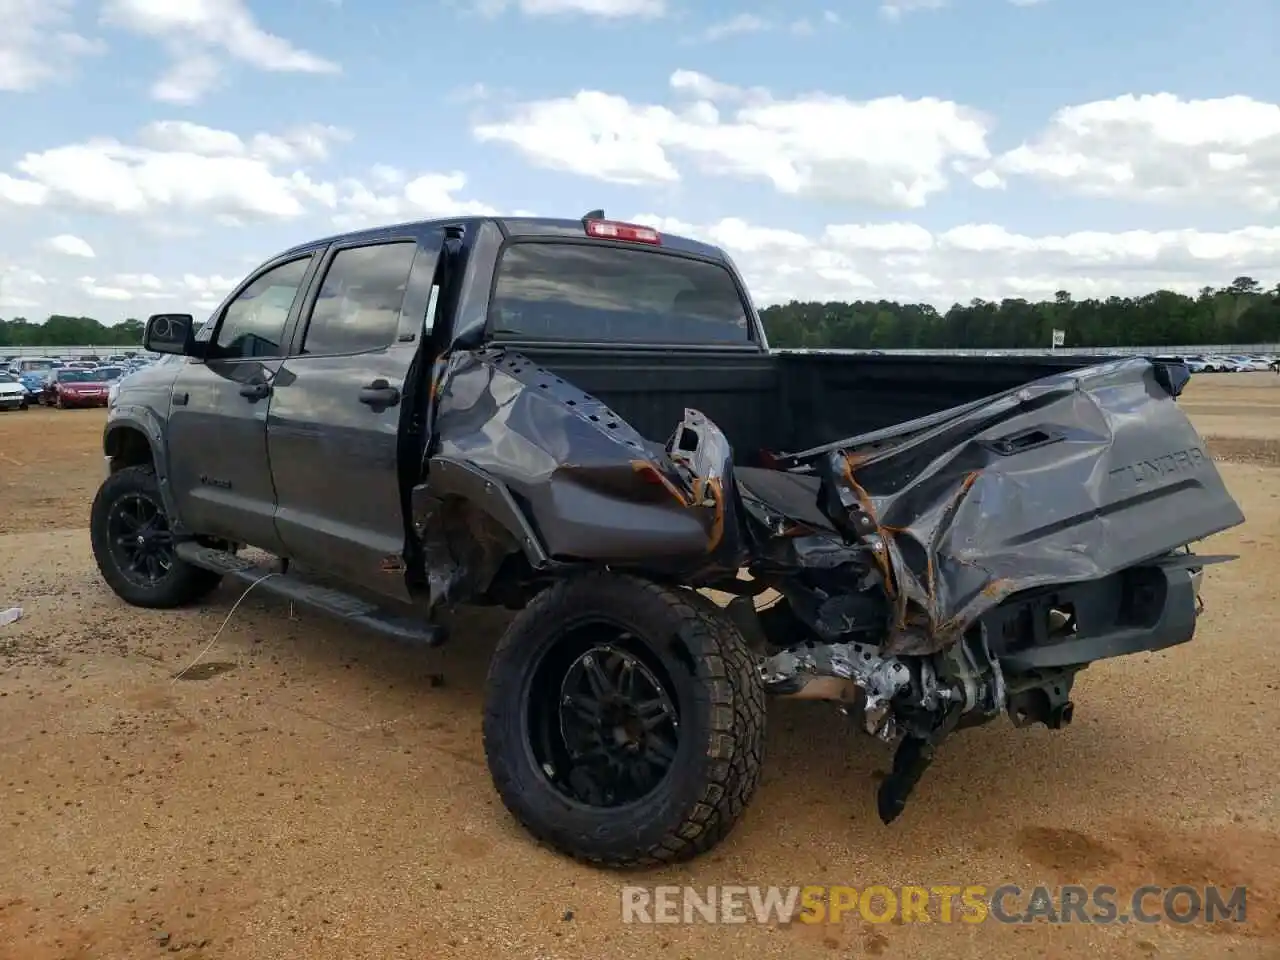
x=737 y=716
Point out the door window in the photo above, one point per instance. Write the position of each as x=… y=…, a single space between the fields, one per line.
x=253 y=323
x=358 y=307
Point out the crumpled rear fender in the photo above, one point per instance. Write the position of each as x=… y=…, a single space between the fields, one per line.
x=587 y=486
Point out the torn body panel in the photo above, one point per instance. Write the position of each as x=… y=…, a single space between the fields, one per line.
x=570 y=481
x=1067 y=480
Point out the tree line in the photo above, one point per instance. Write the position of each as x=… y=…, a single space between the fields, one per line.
x=1241 y=312
x=64 y=331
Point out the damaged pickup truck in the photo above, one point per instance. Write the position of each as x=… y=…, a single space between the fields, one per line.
x=581 y=420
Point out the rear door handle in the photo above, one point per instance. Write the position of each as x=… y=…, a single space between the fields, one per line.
x=379 y=394
x=256 y=391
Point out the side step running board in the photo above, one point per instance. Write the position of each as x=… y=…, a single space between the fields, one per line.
x=325 y=599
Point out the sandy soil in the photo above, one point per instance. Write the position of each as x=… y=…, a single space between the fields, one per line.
x=311 y=792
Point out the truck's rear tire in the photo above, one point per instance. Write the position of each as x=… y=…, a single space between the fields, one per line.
x=133 y=547
x=676 y=703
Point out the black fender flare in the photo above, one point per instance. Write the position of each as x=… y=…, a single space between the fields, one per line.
x=449 y=477
x=146 y=424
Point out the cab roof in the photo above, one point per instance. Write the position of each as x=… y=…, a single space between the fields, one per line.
x=516 y=227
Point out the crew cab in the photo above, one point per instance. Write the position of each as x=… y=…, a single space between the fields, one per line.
x=582 y=420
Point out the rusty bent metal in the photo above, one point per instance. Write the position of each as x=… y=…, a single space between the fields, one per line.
x=459 y=412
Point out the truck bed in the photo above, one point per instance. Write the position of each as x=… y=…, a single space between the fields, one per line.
x=784 y=401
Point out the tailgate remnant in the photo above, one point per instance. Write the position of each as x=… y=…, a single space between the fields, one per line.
x=1067 y=479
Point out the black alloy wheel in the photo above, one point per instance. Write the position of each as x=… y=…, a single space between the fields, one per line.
x=140 y=539
x=611 y=732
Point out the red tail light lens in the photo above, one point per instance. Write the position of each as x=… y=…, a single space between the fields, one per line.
x=628 y=232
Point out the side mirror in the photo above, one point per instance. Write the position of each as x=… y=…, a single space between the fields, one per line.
x=169 y=333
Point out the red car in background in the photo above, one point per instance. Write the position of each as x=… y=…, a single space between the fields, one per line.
x=76 y=388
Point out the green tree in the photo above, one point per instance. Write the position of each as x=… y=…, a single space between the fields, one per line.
x=64 y=331
x=1241 y=312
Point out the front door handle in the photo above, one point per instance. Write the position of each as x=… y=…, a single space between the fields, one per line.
x=379 y=394
x=255 y=391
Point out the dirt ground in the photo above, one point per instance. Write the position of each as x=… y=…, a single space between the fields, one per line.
x=311 y=792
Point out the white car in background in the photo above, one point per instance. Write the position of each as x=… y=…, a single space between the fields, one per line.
x=1252 y=363
x=13 y=395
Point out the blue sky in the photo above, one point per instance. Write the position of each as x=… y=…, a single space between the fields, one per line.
x=925 y=149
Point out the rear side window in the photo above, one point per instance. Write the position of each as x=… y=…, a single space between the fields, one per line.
x=590 y=291
x=358 y=307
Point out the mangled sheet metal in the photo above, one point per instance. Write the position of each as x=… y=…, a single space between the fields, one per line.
x=923 y=527
x=1070 y=478
x=591 y=488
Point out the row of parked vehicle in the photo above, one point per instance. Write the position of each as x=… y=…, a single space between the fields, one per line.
x=80 y=382
x=1211 y=363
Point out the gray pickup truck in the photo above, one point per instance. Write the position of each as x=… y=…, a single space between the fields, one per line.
x=582 y=420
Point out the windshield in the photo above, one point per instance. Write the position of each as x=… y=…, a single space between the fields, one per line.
x=110 y=373
x=31 y=366
x=589 y=291
x=7 y=378
x=80 y=376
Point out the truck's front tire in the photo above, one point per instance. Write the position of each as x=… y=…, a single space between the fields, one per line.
x=624 y=721
x=133 y=546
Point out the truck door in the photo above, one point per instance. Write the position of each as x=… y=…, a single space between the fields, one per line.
x=337 y=406
x=217 y=436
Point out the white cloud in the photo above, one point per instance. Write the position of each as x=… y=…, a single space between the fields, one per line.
x=395 y=197
x=180 y=178
x=892 y=150
x=198 y=33
x=906 y=262
x=603 y=9
x=103 y=291
x=20 y=287
x=699 y=85
x=188 y=79
x=22 y=193
x=894 y=9
x=146 y=291
x=735 y=25
x=34 y=46
x=1158 y=147
x=182 y=168
x=300 y=144
x=70 y=246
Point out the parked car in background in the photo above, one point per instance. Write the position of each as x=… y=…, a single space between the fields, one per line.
x=1250 y=363
x=76 y=388
x=13 y=395
x=34 y=365
x=33 y=382
x=111 y=373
